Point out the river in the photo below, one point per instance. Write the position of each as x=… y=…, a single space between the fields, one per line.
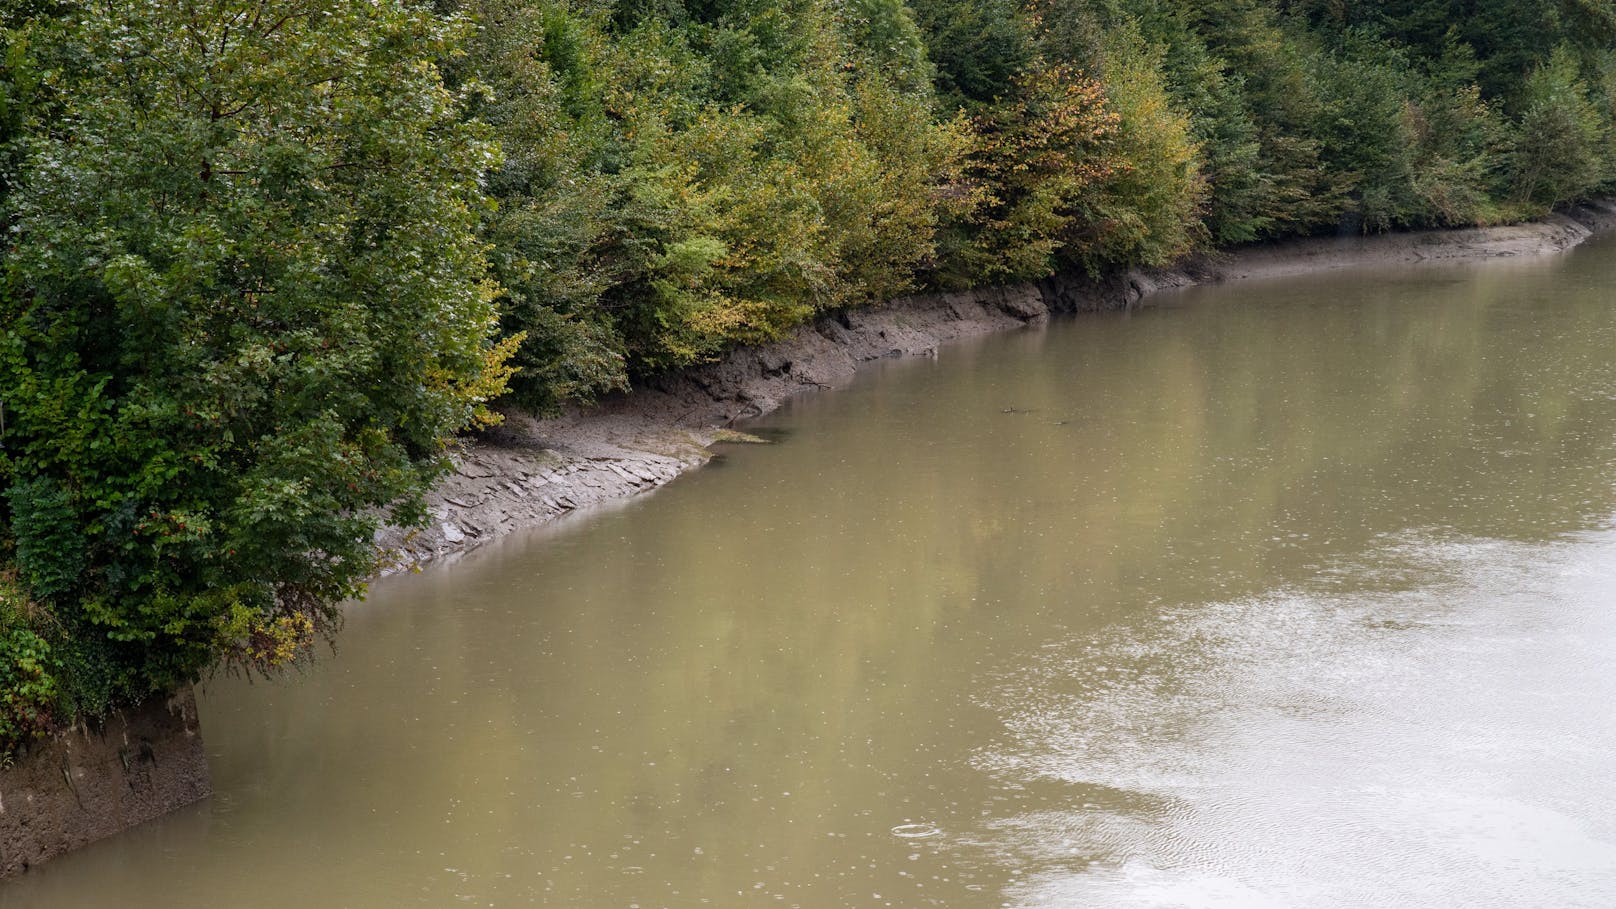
x=1292 y=593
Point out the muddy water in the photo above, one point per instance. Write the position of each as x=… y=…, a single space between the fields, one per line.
x=1292 y=594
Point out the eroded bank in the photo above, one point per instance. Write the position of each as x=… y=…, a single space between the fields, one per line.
x=531 y=472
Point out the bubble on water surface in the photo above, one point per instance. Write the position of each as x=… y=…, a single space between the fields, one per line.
x=916 y=831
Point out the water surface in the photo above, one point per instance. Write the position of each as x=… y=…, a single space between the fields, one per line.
x=1298 y=593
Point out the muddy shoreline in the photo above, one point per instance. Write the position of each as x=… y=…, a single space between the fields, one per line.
x=531 y=472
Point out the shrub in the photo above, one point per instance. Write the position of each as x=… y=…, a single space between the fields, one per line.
x=29 y=697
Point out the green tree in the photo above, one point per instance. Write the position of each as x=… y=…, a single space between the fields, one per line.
x=531 y=73
x=1363 y=88
x=978 y=49
x=244 y=308
x=1458 y=146
x=1563 y=134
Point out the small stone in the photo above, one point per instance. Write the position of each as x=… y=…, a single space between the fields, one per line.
x=453 y=534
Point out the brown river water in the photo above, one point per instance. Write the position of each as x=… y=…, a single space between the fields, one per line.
x=1294 y=593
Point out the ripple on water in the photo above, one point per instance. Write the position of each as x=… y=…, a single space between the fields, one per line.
x=1279 y=750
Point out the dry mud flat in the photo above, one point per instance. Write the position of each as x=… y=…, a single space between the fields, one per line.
x=529 y=472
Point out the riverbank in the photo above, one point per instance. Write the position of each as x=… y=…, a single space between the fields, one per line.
x=530 y=472
x=92 y=781
x=991 y=608
x=100 y=777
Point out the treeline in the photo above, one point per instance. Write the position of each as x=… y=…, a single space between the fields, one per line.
x=264 y=257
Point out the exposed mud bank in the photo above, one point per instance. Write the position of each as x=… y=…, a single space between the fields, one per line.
x=100 y=778
x=1556 y=233
x=530 y=472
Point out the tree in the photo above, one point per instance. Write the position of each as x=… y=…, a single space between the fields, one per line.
x=244 y=309
x=1563 y=133
x=1147 y=209
x=531 y=73
x=979 y=49
x=773 y=160
x=1038 y=156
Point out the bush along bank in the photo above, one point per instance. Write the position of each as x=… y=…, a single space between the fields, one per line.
x=265 y=261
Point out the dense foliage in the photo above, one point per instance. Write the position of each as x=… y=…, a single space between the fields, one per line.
x=244 y=305
x=265 y=256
